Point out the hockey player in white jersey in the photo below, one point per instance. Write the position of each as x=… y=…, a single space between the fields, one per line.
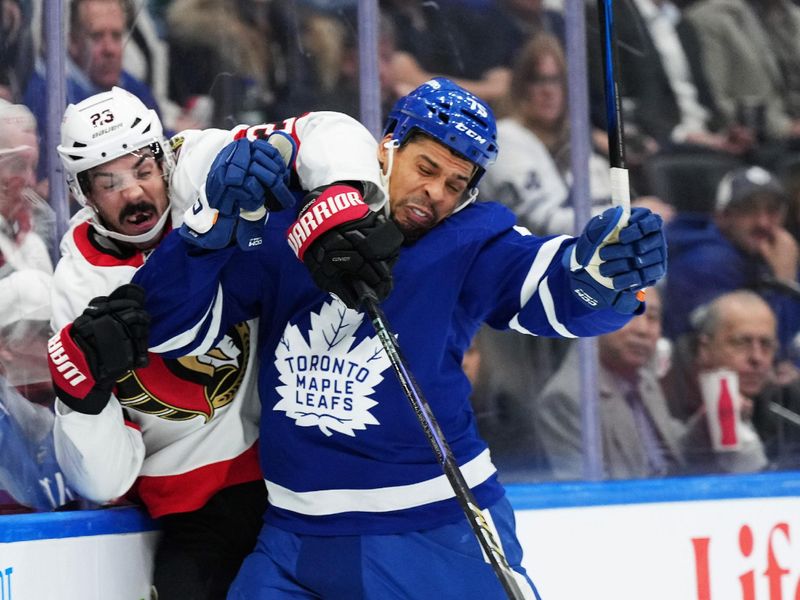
x=359 y=507
x=181 y=431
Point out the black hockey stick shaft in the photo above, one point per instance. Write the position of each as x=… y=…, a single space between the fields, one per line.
x=620 y=188
x=444 y=455
x=616 y=136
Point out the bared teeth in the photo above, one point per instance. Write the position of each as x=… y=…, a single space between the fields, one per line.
x=422 y=214
x=140 y=218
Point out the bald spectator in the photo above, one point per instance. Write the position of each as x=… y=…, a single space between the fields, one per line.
x=25 y=219
x=639 y=436
x=736 y=332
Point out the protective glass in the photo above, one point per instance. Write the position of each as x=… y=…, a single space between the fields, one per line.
x=17 y=169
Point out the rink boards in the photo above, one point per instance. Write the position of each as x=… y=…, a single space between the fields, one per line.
x=709 y=538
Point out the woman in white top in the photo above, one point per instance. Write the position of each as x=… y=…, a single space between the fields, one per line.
x=533 y=178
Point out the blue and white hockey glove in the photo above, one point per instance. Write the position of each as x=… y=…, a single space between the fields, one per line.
x=246 y=179
x=611 y=262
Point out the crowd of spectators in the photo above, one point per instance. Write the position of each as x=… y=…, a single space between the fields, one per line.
x=708 y=82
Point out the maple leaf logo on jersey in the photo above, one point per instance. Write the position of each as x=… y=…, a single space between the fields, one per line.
x=184 y=388
x=327 y=382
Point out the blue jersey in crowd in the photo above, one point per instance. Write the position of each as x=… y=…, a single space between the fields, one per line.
x=705 y=264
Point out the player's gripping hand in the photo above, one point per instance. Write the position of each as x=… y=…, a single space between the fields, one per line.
x=109 y=339
x=246 y=179
x=612 y=261
x=345 y=245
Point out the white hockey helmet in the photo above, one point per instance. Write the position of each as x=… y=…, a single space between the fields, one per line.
x=102 y=128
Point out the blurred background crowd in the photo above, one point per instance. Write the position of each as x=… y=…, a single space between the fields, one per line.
x=705 y=381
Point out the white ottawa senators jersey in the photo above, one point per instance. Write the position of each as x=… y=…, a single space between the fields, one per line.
x=180 y=429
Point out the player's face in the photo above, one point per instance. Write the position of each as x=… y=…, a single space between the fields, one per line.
x=751 y=226
x=97 y=47
x=627 y=350
x=427 y=183
x=744 y=342
x=128 y=193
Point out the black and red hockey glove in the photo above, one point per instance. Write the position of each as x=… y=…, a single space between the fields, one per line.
x=109 y=339
x=342 y=242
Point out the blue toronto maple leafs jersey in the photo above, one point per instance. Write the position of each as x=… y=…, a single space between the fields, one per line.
x=341 y=448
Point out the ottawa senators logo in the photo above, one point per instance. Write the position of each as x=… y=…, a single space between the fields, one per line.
x=183 y=388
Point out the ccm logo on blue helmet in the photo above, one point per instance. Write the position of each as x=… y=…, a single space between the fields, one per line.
x=473 y=134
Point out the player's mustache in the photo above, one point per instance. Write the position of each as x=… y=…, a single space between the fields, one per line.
x=132 y=209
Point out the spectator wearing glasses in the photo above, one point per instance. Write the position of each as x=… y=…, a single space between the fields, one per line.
x=534 y=177
x=735 y=332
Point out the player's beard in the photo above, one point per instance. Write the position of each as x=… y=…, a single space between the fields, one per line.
x=412 y=229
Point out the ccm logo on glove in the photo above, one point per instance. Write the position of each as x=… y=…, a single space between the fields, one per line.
x=586 y=297
x=64 y=355
x=336 y=205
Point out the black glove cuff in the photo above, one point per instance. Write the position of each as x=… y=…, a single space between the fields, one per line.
x=94 y=402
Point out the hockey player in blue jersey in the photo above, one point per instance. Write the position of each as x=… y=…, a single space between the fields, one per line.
x=359 y=507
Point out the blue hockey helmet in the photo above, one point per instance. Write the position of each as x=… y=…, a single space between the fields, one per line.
x=450 y=115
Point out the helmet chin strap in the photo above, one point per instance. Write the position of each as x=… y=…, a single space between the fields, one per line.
x=391 y=146
x=142 y=238
x=472 y=195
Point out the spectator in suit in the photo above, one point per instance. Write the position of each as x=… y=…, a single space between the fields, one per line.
x=225 y=55
x=639 y=436
x=745 y=75
x=662 y=81
x=330 y=69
